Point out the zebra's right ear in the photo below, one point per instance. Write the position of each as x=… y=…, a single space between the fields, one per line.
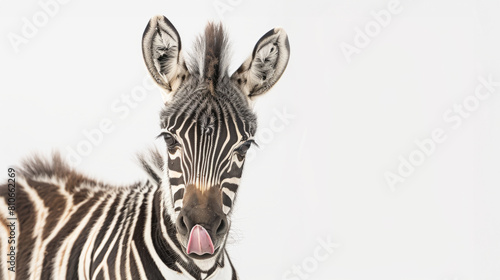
x=161 y=49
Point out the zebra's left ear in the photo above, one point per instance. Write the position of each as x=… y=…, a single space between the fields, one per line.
x=161 y=48
x=266 y=64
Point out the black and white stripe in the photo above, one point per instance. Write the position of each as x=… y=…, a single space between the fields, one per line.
x=72 y=227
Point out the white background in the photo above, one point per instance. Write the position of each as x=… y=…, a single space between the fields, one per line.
x=322 y=175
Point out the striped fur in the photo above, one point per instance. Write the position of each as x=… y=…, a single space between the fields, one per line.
x=73 y=227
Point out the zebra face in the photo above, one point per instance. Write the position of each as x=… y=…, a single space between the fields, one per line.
x=207 y=124
x=206 y=141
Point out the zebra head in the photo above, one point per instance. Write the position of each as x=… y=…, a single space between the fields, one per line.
x=207 y=124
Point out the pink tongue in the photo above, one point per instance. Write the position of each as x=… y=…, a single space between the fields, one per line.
x=199 y=241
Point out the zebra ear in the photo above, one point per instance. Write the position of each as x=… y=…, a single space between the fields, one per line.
x=161 y=49
x=266 y=64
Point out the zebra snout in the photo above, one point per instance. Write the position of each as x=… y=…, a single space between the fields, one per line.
x=201 y=232
x=214 y=223
x=201 y=224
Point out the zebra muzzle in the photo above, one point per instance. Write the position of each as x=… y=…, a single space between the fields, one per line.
x=200 y=242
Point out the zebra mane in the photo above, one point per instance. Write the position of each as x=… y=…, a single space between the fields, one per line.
x=55 y=170
x=152 y=162
x=209 y=61
x=39 y=166
x=55 y=167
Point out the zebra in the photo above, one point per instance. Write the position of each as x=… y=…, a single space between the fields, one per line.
x=175 y=223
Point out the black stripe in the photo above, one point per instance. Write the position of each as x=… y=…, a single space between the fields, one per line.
x=176 y=181
x=134 y=271
x=226 y=200
x=100 y=275
x=179 y=194
x=230 y=186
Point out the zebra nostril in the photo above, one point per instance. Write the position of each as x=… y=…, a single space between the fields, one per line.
x=181 y=225
x=222 y=228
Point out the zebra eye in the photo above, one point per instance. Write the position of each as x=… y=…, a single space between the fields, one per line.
x=242 y=150
x=170 y=140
